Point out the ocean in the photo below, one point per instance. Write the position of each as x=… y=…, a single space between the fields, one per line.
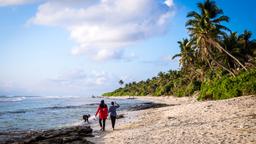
x=22 y=113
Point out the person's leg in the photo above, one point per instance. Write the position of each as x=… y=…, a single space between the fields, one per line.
x=114 y=121
x=104 y=121
x=100 y=123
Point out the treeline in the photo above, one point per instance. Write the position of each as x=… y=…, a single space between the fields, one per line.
x=214 y=60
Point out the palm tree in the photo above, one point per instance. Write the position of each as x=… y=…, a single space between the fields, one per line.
x=245 y=38
x=160 y=75
x=188 y=61
x=121 y=82
x=248 y=47
x=230 y=42
x=186 y=53
x=206 y=30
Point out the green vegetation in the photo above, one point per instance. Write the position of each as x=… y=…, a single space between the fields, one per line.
x=214 y=60
x=229 y=87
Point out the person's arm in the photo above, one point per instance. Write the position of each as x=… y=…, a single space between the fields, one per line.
x=97 y=111
x=117 y=105
x=109 y=110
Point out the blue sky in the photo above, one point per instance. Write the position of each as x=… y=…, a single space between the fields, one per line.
x=83 y=47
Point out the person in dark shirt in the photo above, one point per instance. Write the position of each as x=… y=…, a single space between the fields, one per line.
x=112 y=111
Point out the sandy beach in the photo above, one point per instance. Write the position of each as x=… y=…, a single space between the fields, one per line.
x=185 y=120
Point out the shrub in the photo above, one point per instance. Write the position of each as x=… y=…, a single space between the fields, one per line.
x=229 y=87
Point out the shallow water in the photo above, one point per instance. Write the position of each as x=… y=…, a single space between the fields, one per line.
x=45 y=112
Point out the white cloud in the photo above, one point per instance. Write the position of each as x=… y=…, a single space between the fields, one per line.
x=72 y=82
x=78 y=82
x=79 y=78
x=103 y=28
x=169 y=3
x=14 y=2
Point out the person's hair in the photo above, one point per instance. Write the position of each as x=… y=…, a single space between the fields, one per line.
x=112 y=103
x=102 y=104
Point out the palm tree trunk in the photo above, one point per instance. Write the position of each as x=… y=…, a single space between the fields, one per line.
x=221 y=48
x=209 y=64
x=222 y=66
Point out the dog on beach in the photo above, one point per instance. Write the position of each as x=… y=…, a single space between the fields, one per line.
x=86 y=118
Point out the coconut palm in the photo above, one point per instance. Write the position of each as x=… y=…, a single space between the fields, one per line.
x=248 y=47
x=206 y=30
x=230 y=42
x=187 y=58
x=121 y=82
x=186 y=53
x=245 y=38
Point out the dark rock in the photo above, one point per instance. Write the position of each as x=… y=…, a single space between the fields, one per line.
x=148 y=105
x=71 y=135
x=120 y=116
x=171 y=118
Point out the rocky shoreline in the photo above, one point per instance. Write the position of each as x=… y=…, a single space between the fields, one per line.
x=70 y=135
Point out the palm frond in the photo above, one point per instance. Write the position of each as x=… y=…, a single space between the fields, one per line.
x=177 y=55
x=221 y=19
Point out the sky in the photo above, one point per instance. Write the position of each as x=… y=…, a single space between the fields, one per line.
x=84 y=47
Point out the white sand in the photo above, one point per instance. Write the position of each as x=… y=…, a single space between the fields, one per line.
x=189 y=121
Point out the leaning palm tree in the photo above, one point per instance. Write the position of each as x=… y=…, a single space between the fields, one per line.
x=206 y=30
x=231 y=43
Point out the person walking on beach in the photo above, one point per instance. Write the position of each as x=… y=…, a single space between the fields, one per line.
x=112 y=111
x=103 y=114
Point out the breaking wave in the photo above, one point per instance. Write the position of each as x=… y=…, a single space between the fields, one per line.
x=11 y=98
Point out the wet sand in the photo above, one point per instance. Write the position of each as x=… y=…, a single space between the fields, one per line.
x=185 y=120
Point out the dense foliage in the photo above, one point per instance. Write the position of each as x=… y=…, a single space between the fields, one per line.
x=229 y=87
x=214 y=60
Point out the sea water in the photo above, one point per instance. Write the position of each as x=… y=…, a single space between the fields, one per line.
x=19 y=113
